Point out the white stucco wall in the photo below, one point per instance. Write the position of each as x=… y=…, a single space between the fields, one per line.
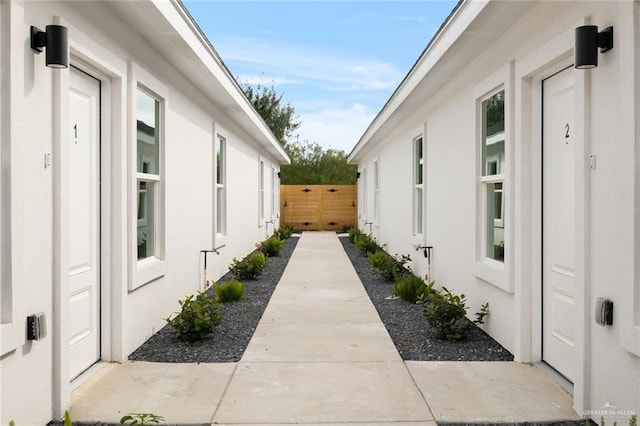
x=607 y=246
x=34 y=375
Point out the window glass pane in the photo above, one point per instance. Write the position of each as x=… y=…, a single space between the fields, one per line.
x=220 y=160
x=418 y=210
x=418 y=161
x=493 y=135
x=147 y=115
x=220 y=210
x=146 y=219
x=495 y=221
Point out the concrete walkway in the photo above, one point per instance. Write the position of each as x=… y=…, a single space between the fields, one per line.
x=320 y=355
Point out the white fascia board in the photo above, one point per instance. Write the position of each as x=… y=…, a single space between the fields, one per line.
x=213 y=67
x=440 y=46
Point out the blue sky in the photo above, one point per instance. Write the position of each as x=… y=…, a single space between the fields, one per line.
x=336 y=62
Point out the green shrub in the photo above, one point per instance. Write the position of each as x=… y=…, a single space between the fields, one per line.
x=271 y=246
x=197 y=318
x=366 y=243
x=136 y=419
x=390 y=268
x=230 y=291
x=250 y=267
x=446 y=314
x=412 y=289
x=353 y=232
x=284 y=232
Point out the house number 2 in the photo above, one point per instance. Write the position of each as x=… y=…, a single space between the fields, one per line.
x=566 y=135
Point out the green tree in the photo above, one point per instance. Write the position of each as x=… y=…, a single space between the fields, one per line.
x=310 y=163
x=313 y=165
x=280 y=117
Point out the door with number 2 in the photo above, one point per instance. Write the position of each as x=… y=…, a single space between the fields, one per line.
x=558 y=223
x=84 y=222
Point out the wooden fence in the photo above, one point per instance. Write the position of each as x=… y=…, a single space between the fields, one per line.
x=319 y=207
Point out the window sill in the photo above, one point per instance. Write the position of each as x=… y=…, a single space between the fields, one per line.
x=494 y=273
x=147 y=270
x=11 y=337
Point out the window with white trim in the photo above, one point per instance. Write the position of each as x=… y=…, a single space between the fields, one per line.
x=418 y=185
x=492 y=174
x=261 y=192
x=376 y=192
x=221 y=185
x=274 y=192
x=148 y=174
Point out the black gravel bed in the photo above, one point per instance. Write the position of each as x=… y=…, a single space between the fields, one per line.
x=239 y=321
x=409 y=330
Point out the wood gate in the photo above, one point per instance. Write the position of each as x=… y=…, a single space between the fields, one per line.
x=319 y=207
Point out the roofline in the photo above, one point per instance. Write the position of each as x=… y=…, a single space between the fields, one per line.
x=244 y=102
x=396 y=93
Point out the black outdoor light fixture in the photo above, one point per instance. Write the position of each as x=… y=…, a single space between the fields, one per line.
x=56 y=39
x=588 y=40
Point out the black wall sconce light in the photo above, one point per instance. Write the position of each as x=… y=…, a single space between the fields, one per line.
x=279 y=175
x=588 y=40
x=357 y=175
x=56 y=40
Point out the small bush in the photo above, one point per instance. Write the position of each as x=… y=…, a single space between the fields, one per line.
x=284 y=232
x=139 y=419
x=446 y=314
x=197 y=318
x=250 y=267
x=366 y=243
x=412 y=289
x=271 y=246
x=353 y=232
x=230 y=291
x=390 y=268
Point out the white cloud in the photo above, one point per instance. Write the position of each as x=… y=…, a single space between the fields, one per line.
x=338 y=128
x=290 y=62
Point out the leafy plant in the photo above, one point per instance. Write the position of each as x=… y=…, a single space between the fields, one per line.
x=67 y=419
x=446 y=313
x=412 y=289
x=391 y=268
x=271 y=246
x=365 y=243
x=250 y=267
x=197 y=318
x=141 y=419
x=284 y=232
x=353 y=233
x=230 y=291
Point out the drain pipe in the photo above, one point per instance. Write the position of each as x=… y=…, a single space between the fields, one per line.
x=370 y=228
x=205 y=252
x=428 y=252
x=266 y=227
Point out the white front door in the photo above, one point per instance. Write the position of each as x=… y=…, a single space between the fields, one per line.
x=84 y=221
x=558 y=223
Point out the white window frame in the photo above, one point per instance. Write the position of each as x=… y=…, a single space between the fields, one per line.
x=261 y=197
x=365 y=197
x=274 y=191
x=220 y=144
x=497 y=273
x=376 y=192
x=144 y=271
x=417 y=188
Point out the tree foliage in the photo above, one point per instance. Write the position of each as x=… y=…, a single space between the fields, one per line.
x=310 y=163
x=313 y=165
x=280 y=117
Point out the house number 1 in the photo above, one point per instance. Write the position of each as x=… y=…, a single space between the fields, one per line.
x=566 y=135
x=75 y=132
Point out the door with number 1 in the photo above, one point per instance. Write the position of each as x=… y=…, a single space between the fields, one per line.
x=83 y=148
